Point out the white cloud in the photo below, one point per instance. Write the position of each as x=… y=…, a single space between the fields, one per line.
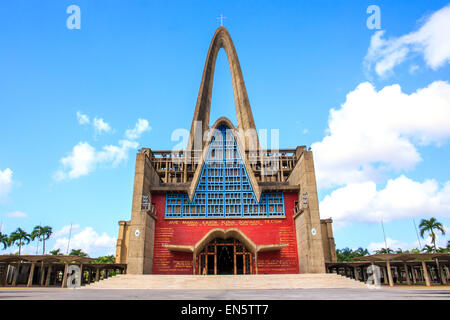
x=393 y=244
x=396 y=244
x=84 y=158
x=89 y=241
x=135 y=133
x=376 y=131
x=432 y=41
x=80 y=162
x=5 y=183
x=401 y=198
x=65 y=230
x=16 y=214
x=82 y=118
x=101 y=126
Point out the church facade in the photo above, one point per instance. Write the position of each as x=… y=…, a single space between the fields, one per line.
x=224 y=205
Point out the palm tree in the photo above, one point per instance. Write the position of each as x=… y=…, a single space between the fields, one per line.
x=427 y=248
x=36 y=234
x=4 y=240
x=431 y=226
x=47 y=231
x=77 y=252
x=56 y=252
x=20 y=238
x=384 y=251
x=42 y=233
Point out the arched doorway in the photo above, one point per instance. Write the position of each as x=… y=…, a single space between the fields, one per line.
x=225 y=256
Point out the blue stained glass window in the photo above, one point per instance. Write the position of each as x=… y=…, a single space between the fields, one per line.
x=224 y=189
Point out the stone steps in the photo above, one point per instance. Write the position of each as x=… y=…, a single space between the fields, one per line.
x=227 y=282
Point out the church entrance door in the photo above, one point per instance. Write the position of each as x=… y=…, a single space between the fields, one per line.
x=228 y=256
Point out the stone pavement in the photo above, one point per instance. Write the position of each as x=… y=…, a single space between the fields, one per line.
x=228 y=282
x=274 y=294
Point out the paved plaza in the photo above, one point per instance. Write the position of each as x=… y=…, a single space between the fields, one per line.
x=283 y=294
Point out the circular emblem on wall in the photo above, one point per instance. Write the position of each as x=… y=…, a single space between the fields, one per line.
x=313 y=231
x=137 y=233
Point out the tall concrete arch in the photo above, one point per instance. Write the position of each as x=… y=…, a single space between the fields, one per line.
x=200 y=121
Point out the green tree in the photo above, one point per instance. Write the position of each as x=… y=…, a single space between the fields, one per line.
x=384 y=251
x=56 y=252
x=4 y=240
x=105 y=259
x=43 y=234
x=36 y=234
x=20 y=238
x=428 y=249
x=430 y=226
x=348 y=254
x=47 y=231
x=78 y=253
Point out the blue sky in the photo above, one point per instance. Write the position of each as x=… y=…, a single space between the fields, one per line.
x=382 y=154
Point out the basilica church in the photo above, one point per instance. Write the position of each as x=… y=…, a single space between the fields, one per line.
x=224 y=205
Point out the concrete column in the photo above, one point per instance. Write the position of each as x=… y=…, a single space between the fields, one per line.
x=64 y=280
x=89 y=276
x=443 y=276
x=81 y=274
x=413 y=272
x=49 y=274
x=385 y=278
x=31 y=274
x=355 y=271
x=374 y=275
x=408 y=281
x=97 y=274
x=389 y=271
x=16 y=275
x=41 y=282
x=425 y=274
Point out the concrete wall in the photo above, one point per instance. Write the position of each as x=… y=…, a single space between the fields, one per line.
x=308 y=228
x=142 y=224
x=122 y=242
x=329 y=246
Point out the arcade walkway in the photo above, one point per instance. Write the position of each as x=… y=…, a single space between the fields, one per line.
x=51 y=270
x=410 y=269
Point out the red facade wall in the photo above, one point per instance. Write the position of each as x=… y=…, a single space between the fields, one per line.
x=190 y=231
